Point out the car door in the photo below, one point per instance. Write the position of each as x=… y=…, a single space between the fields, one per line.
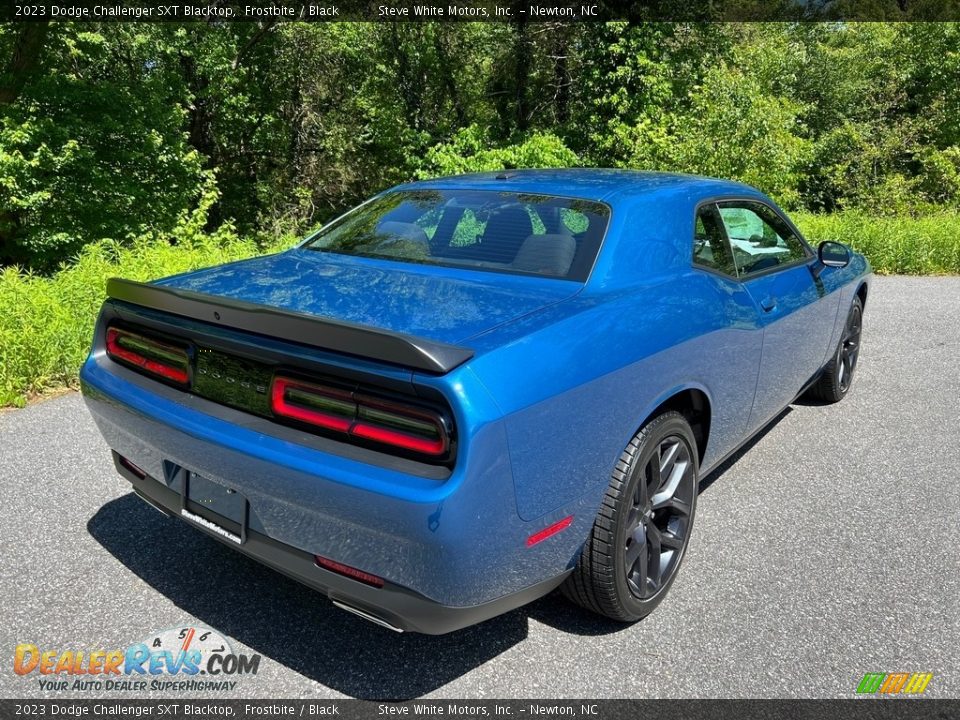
x=797 y=316
x=729 y=358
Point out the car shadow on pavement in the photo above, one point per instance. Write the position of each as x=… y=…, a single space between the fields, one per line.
x=285 y=621
x=300 y=629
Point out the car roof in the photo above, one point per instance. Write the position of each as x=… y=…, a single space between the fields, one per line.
x=601 y=184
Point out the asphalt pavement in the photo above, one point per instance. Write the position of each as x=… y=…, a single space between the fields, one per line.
x=828 y=548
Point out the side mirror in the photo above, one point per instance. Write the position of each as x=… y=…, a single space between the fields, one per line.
x=833 y=254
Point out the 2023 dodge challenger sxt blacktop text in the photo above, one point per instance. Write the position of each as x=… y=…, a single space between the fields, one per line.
x=469 y=391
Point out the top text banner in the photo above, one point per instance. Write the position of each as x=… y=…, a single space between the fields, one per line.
x=263 y=11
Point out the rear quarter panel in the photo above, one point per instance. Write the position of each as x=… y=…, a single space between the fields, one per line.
x=576 y=381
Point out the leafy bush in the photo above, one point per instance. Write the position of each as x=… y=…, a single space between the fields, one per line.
x=46 y=322
x=735 y=130
x=90 y=152
x=471 y=150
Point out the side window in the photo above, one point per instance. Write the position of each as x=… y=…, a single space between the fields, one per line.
x=710 y=248
x=759 y=238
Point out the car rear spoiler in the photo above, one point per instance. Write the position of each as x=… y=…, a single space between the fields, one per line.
x=319 y=332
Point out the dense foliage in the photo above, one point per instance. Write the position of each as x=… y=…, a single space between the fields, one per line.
x=113 y=130
x=143 y=150
x=46 y=322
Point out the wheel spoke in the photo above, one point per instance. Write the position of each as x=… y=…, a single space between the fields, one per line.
x=634 y=550
x=653 y=557
x=668 y=460
x=652 y=475
x=681 y=471
x=677 y=505
x=640 y=495
x=670 y=487
x=668 y=539
x=637 y=572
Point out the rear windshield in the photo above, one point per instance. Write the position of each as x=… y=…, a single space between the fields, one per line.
x=486 y=230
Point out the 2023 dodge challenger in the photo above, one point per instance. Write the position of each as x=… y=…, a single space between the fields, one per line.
x=469 y=391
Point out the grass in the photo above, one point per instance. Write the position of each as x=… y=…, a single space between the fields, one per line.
x=927 y=245
x=46 y=322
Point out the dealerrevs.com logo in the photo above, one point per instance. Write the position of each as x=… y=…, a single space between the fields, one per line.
x=180 y=659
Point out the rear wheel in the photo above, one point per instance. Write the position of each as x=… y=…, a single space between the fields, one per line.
x=837 y=376
x=641 y=532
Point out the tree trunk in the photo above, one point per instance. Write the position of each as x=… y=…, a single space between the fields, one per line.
x=21 y=64
x=23 y=61
x=523 y=58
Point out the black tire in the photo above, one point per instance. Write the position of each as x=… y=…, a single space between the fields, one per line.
x=836 y=379
x=607 y=578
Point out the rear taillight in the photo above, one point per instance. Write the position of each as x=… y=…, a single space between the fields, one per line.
x=384 y=422
x=154 y=357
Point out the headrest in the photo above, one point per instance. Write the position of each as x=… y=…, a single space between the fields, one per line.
x=550 y=254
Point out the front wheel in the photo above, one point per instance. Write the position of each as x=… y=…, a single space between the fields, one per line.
x=837 y=376
x=641 y=533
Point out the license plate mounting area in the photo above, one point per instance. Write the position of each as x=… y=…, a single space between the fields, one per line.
x=215 y=508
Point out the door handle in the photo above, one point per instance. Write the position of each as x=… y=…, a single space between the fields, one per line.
x=768 y=303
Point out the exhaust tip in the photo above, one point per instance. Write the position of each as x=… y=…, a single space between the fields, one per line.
x=159 y=508
x=366 y=615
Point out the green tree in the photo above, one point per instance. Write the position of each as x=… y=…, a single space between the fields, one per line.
x=91 y=148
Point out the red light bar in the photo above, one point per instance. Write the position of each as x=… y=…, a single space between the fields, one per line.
x=321 y=397
x=157 y=358
x=351 y=572
x=549 y=531
x=392 y=437
x=369 y=418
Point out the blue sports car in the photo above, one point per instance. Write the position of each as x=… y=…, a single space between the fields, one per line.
x=469 y=391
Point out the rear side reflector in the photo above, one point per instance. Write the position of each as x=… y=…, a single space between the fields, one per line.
x=153 y=357
x=549 y=531
x=350 y=572
x=384 y=422
x=135 y=469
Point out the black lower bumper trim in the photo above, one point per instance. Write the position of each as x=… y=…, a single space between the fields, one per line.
x=392 y=605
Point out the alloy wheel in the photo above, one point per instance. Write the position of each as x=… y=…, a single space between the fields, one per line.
x=849 y=349
x=659 y=517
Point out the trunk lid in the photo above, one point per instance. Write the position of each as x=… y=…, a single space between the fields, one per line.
x=443 y=304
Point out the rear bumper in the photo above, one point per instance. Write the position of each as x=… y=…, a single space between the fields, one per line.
x=391 y=606
x=452 y=551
